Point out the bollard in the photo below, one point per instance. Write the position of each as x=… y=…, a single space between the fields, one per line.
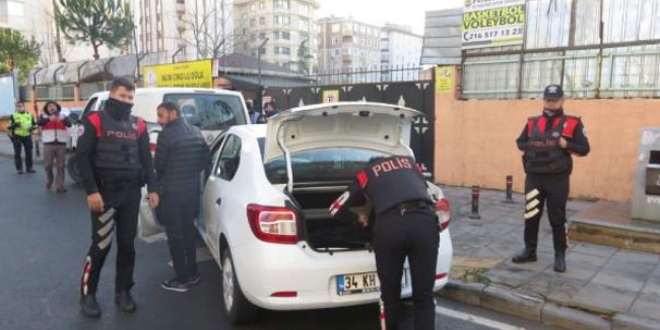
x=509 y=188
x=475 y=203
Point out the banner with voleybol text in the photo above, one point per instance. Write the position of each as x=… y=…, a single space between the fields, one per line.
x=493 y=23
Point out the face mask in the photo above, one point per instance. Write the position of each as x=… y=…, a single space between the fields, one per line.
x=120 y=106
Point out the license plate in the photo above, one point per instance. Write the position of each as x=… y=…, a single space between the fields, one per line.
x=348 y=284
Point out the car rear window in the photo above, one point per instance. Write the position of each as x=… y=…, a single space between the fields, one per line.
x=321 y=165
x=210 y=111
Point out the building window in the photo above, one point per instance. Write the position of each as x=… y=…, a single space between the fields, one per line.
x=304 y=9
x=336 y=52
x=244 y=16
x=183 y=2
x=253 y=22
x=282 y=35
x=304 y=24
x=284 y=4
x=282 y=51
x=262 y=5
x=262 y=35
x=335 y=40
x=262 y=21
x=253 y=7
x=336 y=27
x=281 y=20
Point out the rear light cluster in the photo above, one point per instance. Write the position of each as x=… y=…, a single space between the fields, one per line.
x=444 y=213
x=273 y=224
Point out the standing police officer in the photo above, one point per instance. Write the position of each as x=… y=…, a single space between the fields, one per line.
x=114 y=160
x=548 y=141
x=406 y=225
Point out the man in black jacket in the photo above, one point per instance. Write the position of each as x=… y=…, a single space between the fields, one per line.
x=115 y=161
x=181 y=154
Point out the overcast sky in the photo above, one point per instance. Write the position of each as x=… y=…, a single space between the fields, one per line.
x=379 y=12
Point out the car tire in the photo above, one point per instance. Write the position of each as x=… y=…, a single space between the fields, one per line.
x=237 y=308
x=72 y=169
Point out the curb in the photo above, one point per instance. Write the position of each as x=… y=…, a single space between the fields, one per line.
x=531 y=308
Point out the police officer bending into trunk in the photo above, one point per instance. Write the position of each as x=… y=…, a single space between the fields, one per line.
x=406 y=225
x=548 y=141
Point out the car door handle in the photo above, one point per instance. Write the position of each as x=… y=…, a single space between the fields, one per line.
x=218 y=201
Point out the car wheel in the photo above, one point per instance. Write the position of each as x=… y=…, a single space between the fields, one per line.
x=237 y=307
x=72 y=168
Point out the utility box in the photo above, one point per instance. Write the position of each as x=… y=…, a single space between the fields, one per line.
x=646 y=199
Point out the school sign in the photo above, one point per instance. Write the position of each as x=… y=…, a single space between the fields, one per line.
x=197 y=74
x=493 y=23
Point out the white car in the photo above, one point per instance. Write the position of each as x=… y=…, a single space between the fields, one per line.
x=265 y=214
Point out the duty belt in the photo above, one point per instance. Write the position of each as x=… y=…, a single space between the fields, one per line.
x=411 y=205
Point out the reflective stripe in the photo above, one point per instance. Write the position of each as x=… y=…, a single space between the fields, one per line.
x=54 y=135
x=532 y=194
x=86 y=270
x=531 y=214
x=107 y=215
x=104 y=231
x=337 y=204
x=104 y=243
x=534 y=203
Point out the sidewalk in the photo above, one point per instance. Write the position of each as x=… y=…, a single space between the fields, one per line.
x=603 y=288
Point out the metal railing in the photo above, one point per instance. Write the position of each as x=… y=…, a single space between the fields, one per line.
x=381 y=75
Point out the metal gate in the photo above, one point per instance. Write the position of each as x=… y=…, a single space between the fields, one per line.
x=418 y=95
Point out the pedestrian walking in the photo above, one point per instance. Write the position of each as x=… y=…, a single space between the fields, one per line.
x=181 y=155
x=114 y=160
x=54 y=135
x=406 y=225
x=21 y=125
x=547 y=142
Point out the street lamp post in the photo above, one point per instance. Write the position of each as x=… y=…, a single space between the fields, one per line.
x=260 y=89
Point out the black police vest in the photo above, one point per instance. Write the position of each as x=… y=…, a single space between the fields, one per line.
x=117 y=145
x=544 y=154
x=391 y=181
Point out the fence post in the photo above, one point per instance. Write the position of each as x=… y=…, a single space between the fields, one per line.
x=475 y=203
x=509 y=187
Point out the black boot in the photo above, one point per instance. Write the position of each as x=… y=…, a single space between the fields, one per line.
x=560 y=262
x=124 y=301
x=89 y=307
x=527 y=255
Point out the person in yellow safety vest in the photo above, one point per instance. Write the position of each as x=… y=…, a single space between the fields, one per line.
x=21 y=125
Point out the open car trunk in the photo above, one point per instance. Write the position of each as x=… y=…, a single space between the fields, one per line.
x=323 y=232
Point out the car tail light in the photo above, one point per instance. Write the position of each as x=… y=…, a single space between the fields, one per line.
x=444 y=213
x=273 y=224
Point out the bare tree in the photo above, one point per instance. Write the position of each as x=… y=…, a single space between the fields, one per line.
x=209 y=23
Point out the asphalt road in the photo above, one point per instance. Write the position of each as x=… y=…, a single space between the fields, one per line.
x=45 y=237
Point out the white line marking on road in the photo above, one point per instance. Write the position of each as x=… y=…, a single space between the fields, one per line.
x=475 y=319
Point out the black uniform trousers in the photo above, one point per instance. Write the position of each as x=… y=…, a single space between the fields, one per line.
x=551 y=189
x=414 y=234
x=121 y=214
x=25 y=143
x=177 y=212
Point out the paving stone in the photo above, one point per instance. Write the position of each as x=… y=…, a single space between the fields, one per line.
x=604 y=297
x=647 y=306
x=633 y=322
x=604 y=252
x=620 y=280
x=509 y=275
x=638 y=257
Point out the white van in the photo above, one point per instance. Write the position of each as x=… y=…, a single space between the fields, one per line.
x=212 y=110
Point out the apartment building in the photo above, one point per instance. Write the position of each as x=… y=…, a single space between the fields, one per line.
x=287 y=24
x=347 y=45
x=400 y=51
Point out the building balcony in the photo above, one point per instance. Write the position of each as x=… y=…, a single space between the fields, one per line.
x=347 y=58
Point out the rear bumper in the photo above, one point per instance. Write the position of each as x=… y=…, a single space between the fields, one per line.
x=265 y=269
